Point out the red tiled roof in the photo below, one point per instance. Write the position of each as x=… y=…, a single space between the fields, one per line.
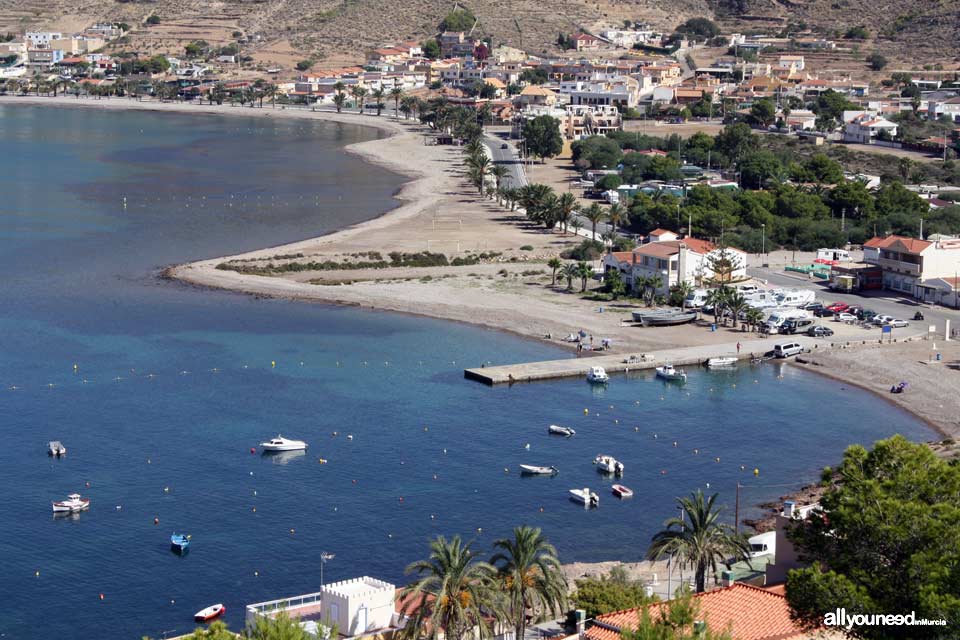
x=900 y=243
x=698 y=245
x=658 y=231
x=750 y=613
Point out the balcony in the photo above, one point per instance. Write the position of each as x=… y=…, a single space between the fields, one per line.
x=905 y=268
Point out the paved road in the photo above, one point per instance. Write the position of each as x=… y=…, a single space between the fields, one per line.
x=885 y=302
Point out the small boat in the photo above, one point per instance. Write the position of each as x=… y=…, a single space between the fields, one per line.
x=179 y=542
x=561 y=431
x=211 y=612
x=722 y=362
x=621 y=491
x=284 y=457
x=608 y=464
x=598 y=375
x=72 y=504
x=668 y=372
x=56 y=448
x=663 y=318
x=532 y=470
x=283 y=444
x=585 y=497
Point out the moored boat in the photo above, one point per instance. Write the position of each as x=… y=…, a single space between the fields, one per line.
x=283 y=444
x=622 y=491
x=179 y=542
x=722 y=361
x=72 y=504
x=670 y=373
x=598 y=375
x=211 y=612
x=585 y=497
x=663 y=317
x=533 y=470
x=608 y=464
x=561 y=431
x=56 y=448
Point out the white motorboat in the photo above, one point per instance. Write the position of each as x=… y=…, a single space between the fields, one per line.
x=585 y=497
x=598 y=375
x=722 y=361
x=56 y=448
x=533 y=470
x=283 y=444
x=668 y=372
x=211 y=612
x=72 y=504
x=608 y=464
x=561 y=431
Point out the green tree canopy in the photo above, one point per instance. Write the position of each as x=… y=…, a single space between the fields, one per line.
x=699 y=28
x=890 y=535
x=597 y=152
x=460 y=19
x=430 y=48
x=612 y=592
x=542 y=138
x=758 y=167
x=763 y=112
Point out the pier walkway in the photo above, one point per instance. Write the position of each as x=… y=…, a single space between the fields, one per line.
x=622 y=362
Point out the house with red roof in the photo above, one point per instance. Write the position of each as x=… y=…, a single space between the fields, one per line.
x=586 y=42
x=745 y=611
x=918 y=268
x=867 y=128
x=673 y=260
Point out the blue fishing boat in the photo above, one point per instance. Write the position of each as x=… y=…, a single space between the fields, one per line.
x=180 y=542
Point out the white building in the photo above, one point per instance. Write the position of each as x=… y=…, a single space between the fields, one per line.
x=41 y=39
x=949 y=108
x=918 y=268
x=673 y=261
x=619 y=91
x=867 y=128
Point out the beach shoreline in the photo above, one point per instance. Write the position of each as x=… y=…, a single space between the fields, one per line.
x=432 y=185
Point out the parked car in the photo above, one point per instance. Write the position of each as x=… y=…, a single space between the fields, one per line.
x=787 y=349
x=506 y=146
x=820 y=331
x=823 y=312
x=896 y=322
x=855 y=310
x=796 y=325
x=881 y=319
x=845 y=317
x=838 y=307
x=813 y=307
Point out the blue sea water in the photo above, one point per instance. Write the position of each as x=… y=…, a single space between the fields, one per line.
x=173 y=386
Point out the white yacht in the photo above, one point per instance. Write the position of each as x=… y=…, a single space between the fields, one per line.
x=72 y=504
x=283 y=444
x=668 y=372
x=585 y=497
x=722 y=361
x=598 y=375
x=608 y=464
x=534 y=470
x=561 y=431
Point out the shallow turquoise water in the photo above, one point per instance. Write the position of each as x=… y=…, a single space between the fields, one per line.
x=174 y=385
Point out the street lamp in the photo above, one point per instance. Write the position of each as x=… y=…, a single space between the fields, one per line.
x=763 y=240
x=324 y=556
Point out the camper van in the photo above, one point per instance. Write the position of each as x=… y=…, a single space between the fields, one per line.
x=779 y=317
x=761 y=299
x=832 y=256
x=796 y=298
x=748 y=287
x=695 y=299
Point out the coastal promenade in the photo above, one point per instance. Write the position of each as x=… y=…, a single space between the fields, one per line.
x=625 y=362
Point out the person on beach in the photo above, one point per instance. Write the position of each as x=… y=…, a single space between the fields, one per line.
x=738 y=348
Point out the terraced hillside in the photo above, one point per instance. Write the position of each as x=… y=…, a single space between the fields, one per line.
x=336 y=31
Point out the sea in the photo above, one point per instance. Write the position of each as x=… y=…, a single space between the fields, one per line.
x=162 y=392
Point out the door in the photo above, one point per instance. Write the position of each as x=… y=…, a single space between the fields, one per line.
x=361 y=621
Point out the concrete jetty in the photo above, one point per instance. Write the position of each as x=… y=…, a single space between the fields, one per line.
x=574 y=367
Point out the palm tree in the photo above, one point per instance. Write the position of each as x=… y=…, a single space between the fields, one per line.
x=408 y=105
x=479 y=166
x=595 y=215
x=717 y=298
x=682 y=289
x=566 y=205
x=359 y=93
x=532 y=579
x=377 y=94
x=554 y=264
x=452 y=591
x=618 y=215
x=396 y=93
x=474 y=148
x=648 y=285
x=499 y=172
x=737 y=304
x=577 y=225
x=584 y=271
x=753 y=317
x=570 y=272
x=339 y=97
x=698 y=540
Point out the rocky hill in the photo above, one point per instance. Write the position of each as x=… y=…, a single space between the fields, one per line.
x=337 y=31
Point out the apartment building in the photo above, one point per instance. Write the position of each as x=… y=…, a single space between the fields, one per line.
x=914 y=267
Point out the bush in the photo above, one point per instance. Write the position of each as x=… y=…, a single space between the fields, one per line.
x=154 y=19
x=858 y=32
x=608 y=182
x=303 y=65
x=585 y=251
x=700 y=28
x=526 y=247
x=876 y=61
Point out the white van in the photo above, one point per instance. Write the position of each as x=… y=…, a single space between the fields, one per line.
x=695 y=299
x=777 y=319
x=787 y=349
